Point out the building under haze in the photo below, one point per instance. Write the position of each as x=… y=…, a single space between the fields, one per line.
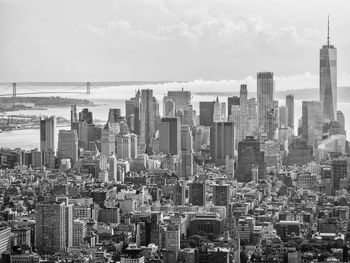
x=266 y=114
x=328 y=80
x=312 y=117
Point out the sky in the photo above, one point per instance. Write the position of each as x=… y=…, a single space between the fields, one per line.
x=206 y=41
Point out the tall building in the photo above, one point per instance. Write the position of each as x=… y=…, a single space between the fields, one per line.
x=252 y=118
x=108 y=141
x=68 y=145
x=114 y=115
x=311 y=129
x=243 y=111
x=197 y=193
x=147 y=117
x=219 y=111
x=206 y=113
x=222 y=141
x=50 y=230
x=79 y=232
x=132 y=113
x=133 y=138
x=338 y=172
x=328 y=80
x=290 y=110
x=249 y=157
x=170 y=136
x=234 y=100
x=172 y=243
x=221 y=194
x=168 y=108
x=341 y=121
x=73 y=114
x=86 y=116
x=186 y=151
x=123 y=145
x=48 y=134
x=282 y=114
x=235 y=117
x=265 y=90
x=181 y=98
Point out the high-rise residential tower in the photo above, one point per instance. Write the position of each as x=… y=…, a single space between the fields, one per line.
x=265 y=90
x=328 y=80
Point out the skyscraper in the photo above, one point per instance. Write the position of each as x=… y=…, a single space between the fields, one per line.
x=328 y=80
x=50 y=228
x=68 y=145
x=252 y=118
x=181 y=98
x=234 y=100
x=48 y=134
x=114 y=115
x=170 y=136
x=123 y=145
x=265 y=90
x=235 y=117
x=222 y=141
x=132 y=113
x=73 y=114
x=282 y=114
x=147 y=117
x=243 y=94
x=249 y=157
x=168 y=108
x=86 y=116
x=108 y=141
x=312 y=116
x=206 y=113
x=186 y=151
x=290 y=110
x=197 y=193
x=341 y=121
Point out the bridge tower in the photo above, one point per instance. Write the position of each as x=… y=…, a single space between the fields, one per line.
x=14 y=89
x=88 y=88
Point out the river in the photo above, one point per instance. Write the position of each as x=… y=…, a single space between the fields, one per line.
x=114 y=97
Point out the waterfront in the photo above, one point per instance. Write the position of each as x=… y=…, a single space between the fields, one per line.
x=114 y=97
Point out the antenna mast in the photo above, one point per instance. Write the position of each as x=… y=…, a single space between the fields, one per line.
x=328 y=33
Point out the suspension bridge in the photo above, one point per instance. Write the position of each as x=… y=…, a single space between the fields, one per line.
x=17 y=89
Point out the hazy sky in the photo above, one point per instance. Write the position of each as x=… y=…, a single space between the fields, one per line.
x=95 y=40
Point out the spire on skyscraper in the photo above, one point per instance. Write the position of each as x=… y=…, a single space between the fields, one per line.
x=328 y=33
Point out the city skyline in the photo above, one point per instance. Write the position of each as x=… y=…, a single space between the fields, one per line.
x=175 y=172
